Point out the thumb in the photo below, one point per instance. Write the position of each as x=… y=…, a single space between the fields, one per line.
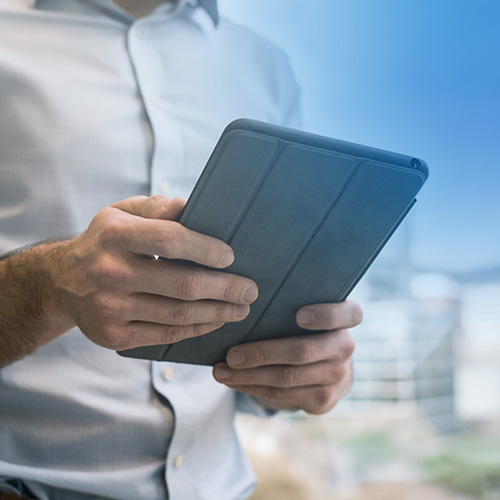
x=152 y=207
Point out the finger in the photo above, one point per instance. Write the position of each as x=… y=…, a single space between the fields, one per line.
x=345 y=314
x=169 y=311
x=285 y=376
x=152 y=207
x=135 y=224
x=306 y=349
x=167 y=239
x=185 y=282
x=312 y=399
x=137 y=334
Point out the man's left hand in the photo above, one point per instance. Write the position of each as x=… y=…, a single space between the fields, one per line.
x=309 y=372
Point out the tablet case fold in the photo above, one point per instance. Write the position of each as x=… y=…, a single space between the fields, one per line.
x=305 y=216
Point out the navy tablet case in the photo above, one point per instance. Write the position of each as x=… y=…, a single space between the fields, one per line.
x=305 y=215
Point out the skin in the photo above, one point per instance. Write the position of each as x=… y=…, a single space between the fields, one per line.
x=108 y=282
x=310 y=373
x=138 y=8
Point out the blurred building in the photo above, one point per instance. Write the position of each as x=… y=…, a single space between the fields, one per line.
x=478 y=350
x=405 y=354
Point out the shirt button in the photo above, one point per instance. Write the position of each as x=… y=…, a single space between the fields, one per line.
x=178 y=460
x=139 y=31
x=166 y=187
x=168 y=373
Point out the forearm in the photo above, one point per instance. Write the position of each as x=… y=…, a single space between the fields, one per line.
x=30 y=315
x=106 y=282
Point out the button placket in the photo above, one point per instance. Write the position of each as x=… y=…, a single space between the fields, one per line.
x=167 y=160
x=178 y=460
x=168 y=373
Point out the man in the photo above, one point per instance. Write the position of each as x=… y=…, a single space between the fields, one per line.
x=100 y=102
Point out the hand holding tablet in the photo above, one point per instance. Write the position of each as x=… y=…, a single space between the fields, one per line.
x=305 y=216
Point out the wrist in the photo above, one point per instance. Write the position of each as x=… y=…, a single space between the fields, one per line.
x=31 y=313
x=53 y=266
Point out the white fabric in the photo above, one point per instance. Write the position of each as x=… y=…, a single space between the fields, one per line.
x=95 y=107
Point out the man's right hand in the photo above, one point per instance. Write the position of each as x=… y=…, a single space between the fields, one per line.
x=121 y=296
x=109 y=282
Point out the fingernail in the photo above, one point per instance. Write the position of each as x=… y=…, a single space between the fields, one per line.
x=250 y=294
x=305 y=317
x=241 y=311
x=227 y=259
x=222 y=374
x=235 y=358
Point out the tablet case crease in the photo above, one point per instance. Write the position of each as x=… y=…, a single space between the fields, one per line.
x=305 y=216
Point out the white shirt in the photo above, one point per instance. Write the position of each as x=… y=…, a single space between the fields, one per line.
x=96 y=107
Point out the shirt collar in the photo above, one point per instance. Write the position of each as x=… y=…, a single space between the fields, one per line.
x=209 y=5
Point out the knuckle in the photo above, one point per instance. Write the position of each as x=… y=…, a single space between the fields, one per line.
x=321 y=400
x=108 y=272
x=287 y=376
x=337 y=372
x=220 y=312
x=175 y=333
x=112 y=332
x=190 y=285
x=101 y=306
x=277 y=393
x=228 y=293
x=207 y=253
x=172 y=334
x=113 y=337
x=347 y=344
x=261 y=355
x=113 y=229
x=171 y=240
x=181 y=313
x=106 y=307
x=157 y=200
x=343 y=371
x=302 y=350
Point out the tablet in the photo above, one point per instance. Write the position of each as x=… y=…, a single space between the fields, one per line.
x=305 y=215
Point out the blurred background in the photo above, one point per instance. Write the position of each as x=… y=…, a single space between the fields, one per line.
x=422 y=419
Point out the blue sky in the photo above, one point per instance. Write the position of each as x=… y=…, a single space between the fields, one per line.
x=416 y=77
